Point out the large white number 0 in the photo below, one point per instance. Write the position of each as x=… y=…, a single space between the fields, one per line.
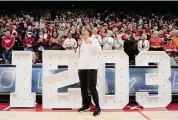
x=160 y=78
x=121 y=97
x=23 y=86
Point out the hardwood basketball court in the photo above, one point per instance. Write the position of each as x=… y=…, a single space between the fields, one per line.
x=128 y=113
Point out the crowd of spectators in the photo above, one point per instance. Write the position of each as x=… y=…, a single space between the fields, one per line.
x=38 y=30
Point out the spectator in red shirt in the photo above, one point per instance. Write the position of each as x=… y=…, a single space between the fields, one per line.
x=46 y=39
x=156 y=42
x=29 y=42
x=7 y=44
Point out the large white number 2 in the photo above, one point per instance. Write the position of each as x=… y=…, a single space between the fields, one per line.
x=23 y=86
x=51 y=83
x=160 y=78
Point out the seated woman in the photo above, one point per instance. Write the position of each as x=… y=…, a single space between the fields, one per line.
x=55 y=42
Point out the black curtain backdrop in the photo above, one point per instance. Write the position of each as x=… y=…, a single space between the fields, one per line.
x=140 y=6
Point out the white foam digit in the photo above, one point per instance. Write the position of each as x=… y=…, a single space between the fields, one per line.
x=121 y=97
x=160 y=78
x=23 y=97
x=51 y=98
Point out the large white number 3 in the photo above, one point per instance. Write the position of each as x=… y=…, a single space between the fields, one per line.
x=160 y=78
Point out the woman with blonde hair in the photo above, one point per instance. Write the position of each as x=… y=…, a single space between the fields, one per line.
x=95 y=35
x=143 y=44
x=118 y=43
x=108 y=41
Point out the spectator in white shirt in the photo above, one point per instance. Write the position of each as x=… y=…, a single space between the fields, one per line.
x=118 y=44
x=98 y=37
x=87 y=70
x=70 y=43
x=108 y=41
x=120 y=34
x=61 y=31
x=143 y=44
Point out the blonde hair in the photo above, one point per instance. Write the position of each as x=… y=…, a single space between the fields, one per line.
x=160 y=32
x=143 y=36
x=155 y=32
x=95 y=29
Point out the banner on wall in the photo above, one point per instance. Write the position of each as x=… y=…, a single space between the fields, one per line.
x=136 y=79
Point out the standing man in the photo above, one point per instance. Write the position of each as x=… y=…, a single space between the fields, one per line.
x=87 y=70
x=7 y=43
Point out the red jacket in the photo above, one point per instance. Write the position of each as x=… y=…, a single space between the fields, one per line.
x=37 y=61
x=8 y=42
x=46 y=40
x=30 y=41
x=10 y=27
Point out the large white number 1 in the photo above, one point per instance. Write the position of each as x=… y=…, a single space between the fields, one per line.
x=121 y=97
x=160 y=78
x=23 y=86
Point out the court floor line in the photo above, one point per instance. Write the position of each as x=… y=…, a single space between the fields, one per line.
x=6 y=108
x=146 y=117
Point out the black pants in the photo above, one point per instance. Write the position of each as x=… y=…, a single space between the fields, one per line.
x=88 y=81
